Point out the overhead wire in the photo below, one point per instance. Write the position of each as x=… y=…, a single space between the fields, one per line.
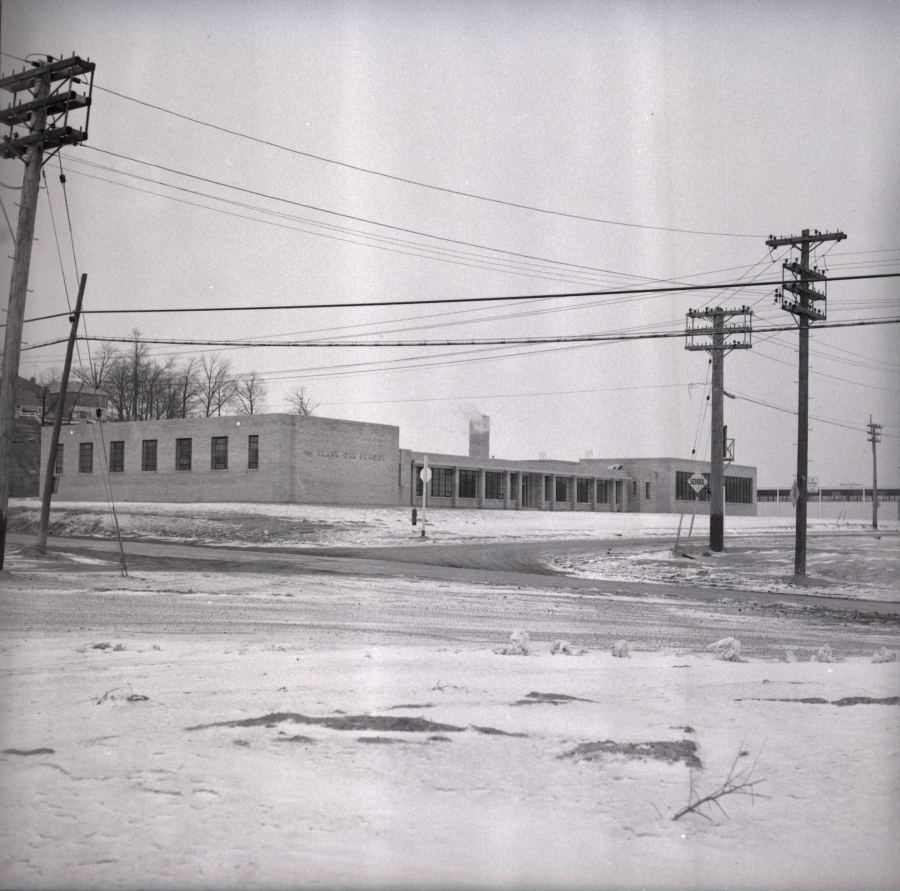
x=420 y=184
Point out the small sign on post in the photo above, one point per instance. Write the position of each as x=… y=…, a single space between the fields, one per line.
x=698 y=482
x=425 y=476
x=812 y=485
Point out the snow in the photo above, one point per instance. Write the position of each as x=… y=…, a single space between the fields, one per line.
x=152 y=782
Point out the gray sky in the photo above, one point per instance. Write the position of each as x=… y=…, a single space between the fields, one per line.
x=739 y=119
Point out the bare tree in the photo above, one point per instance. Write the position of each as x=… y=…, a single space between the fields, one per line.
x=95 y=373
x=250 y=391
x=48 y=382
x=183 y=390
x=215 y=385
x=301 y=402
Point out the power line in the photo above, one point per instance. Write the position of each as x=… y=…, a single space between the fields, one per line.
x=499 y=341
x=668 y=289
x=420 y=184
x=450 y=255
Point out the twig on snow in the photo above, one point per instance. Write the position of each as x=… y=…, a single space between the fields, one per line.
x=738 y=782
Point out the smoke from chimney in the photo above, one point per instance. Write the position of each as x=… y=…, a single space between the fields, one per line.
x=480 y=437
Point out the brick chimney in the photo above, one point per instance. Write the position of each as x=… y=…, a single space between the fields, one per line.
x=480 y=437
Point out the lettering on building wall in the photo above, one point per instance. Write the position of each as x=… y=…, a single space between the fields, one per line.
x=343 y=455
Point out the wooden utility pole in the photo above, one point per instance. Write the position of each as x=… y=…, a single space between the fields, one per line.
x=719 y=332
x=45 y=113
x=807 y=305
x=874 y=430
x=50 y=467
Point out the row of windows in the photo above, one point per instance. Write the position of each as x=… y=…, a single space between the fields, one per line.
x=183 y=455
x=738 y=489
x=829 y=495
x=441 y=486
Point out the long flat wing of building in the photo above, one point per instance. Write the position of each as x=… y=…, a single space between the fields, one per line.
x=312 y=460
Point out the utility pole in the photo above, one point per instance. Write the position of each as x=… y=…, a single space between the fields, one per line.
x=803 y=306
x=45 y=112
x=57 y=424
x=874 y=430
x=720 y=345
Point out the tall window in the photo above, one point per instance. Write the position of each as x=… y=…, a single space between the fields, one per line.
x=493 y=485
x=647 y=491
x=442 y=482
x=603 y=491
x=219 y=455
x=253 y=452
x=148 y=455
x=117 y=457
x=59 y=460
x=86 y=457
x=562 y=488
x=583 y=491
x=548 y=488
x=183 y=453
x=468 y=484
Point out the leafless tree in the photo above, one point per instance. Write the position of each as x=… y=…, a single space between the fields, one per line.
x=215 y=385
x=301 y=402
x=101 y=363
x=250 y=392
x=183 y=390
x=48 y=382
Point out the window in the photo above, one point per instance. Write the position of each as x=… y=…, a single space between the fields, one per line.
x=548 y=488
x=583 y=491
x=604 y=491
x=219 y=453
x=117 y=457
x=683 y=490
x=493 y=485
x=562 y=488
x=59 y=460
x=183 y=453
x=148 y=455
x=86 y=457
x=647 y=490
x=442 y=482
x=738 y=490
x=253 y=452
x=468 y=484
x=634 y=488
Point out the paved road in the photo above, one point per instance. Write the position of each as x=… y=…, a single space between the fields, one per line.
x=506 y=563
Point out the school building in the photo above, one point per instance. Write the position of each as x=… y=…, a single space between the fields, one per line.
x=312 y=460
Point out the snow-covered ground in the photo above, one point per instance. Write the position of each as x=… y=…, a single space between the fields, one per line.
x=217 y=762
x=332 y=526
x=360 y=732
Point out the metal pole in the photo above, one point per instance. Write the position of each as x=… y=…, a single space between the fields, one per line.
x=802 y=425
x=424 y=492
x=18 y=289
x=717 y=440
x=57 y=424
x=873 y=438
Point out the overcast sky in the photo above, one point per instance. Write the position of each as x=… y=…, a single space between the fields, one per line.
x=668 y=139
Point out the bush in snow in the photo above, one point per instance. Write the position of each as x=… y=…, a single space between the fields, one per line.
x=728 y=649
x=518 y=645
x=824 y=654
x=621 y=649
x=565 y=648
x=884 y=655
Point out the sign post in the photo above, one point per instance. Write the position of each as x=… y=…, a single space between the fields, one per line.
x=425 y=476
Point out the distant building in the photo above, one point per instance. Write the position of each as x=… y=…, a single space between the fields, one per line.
x=313 y=460
x=83 y=403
